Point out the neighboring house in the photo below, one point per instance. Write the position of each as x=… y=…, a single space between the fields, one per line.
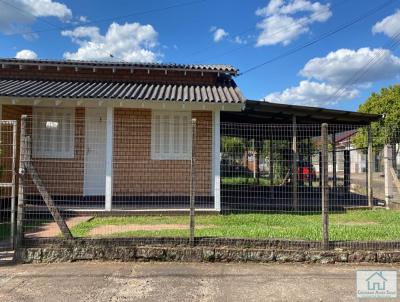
x=121 y=131
x=358 y=158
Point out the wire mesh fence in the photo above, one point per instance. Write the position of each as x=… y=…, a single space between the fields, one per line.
x=8 y=150
x=167 y=175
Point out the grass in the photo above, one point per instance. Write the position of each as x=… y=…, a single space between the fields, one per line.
x=244 y=181
x=352 y=225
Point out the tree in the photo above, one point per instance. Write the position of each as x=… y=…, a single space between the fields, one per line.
x=387 y=130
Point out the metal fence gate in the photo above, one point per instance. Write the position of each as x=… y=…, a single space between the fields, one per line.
x=8 y=153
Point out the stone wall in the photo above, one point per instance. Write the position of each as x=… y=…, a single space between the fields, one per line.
x=85 y=250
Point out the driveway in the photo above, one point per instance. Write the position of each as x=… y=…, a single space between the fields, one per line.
x=106 y=281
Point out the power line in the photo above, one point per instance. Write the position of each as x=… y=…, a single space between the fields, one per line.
x=282 y=29
x=392 y=44
x=103 y=19
x=25 y=12
x=322 y=37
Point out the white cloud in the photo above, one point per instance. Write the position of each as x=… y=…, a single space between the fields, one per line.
x=310 y=93
x=285 y=20
x=341 y=66
x=339 y=76
x=26 y=54
x=17 y=15
x=83 y=19
x=130 y=42
x=390 y=26
x=218 y=33
x=239 y=40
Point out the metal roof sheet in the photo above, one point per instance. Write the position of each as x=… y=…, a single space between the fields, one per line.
x=224 y=93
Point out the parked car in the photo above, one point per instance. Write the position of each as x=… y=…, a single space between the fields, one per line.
x=306 y=171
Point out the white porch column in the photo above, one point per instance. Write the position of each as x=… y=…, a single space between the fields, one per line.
x=109 y=158
x=216 y=161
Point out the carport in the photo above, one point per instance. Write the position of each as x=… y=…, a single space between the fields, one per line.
x=290 y=137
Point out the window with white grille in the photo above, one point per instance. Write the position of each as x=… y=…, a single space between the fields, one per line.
x=171 y=135
x=53 y=132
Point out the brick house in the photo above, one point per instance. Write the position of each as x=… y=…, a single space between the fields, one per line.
x=121 y=133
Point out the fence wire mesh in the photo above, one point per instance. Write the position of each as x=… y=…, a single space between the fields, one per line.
x=264 y=182
x=8 y=150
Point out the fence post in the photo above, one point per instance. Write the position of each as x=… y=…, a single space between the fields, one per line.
x=346 y=170
x=370 y=170
x=192 y=183
x=13 y=181
x=325 y=187
x=387 y=157
x=294 y=164
x=334 y=162
x=22 y=160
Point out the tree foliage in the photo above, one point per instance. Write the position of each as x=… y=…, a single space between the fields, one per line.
x=386 y=103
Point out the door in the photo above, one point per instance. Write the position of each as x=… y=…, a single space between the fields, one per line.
x=95 y=151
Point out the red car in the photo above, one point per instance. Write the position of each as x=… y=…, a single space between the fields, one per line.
x=306 y=172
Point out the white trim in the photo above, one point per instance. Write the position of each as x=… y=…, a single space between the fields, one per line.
x=174 y=121
x=216 y=161
x=68 y=139
x=156 y=105
x=109 y=158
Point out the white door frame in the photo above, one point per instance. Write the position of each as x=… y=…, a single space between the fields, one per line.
x=100 y=188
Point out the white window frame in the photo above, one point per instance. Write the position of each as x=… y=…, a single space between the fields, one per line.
x=50 y=113
x=170 y=117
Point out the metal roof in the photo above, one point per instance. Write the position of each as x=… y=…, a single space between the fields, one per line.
x=224 y=93
x=260 y=112
x=224 y=68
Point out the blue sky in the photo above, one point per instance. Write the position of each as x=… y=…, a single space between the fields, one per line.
x=338 y=72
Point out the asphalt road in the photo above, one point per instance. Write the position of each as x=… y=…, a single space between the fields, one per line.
x=106 y=281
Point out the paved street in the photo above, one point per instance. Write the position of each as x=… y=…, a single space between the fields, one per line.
x=106 y=281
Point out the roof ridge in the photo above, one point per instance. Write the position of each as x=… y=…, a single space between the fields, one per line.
x=199 y=67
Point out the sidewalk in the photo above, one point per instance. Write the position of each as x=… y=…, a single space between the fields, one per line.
x=106 y=281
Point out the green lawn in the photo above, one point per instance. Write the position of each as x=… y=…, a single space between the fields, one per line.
x=244 y=181
x=352 y=225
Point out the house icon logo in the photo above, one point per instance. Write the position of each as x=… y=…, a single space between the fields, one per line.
x=376 y=284
x=376 y=281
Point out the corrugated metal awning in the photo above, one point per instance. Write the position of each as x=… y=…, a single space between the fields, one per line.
x=121 y=90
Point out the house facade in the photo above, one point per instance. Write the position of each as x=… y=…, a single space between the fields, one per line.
x=121 y=133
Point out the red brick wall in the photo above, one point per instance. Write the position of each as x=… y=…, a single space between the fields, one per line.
x=120 y=75
x=135 y=173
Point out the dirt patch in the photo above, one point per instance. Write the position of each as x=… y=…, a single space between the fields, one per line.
x=51 y=229
x=112 y=228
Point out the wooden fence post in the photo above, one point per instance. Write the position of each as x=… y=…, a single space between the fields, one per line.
x=192 y=184
x=325 y=187
x=21 y=183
